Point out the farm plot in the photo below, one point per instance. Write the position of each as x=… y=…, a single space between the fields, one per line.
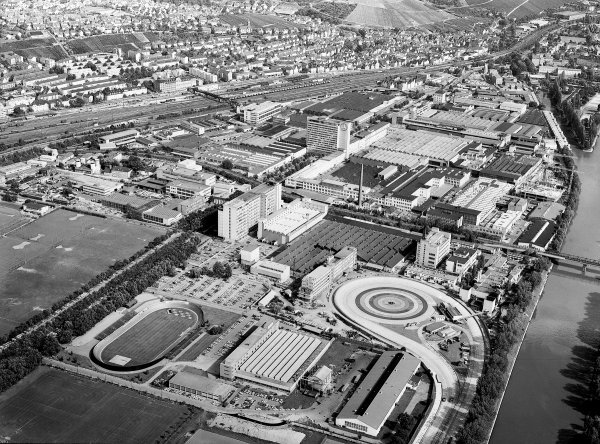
x=257 y=21
x=395 y=13
x=107 y=43
x=530 y=7
x=54 y=406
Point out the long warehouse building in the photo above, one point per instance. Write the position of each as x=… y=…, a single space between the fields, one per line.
x=273 y=357
x=374 y=400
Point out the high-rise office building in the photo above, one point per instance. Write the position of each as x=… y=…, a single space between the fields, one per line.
x=327 y=135
x=240 y=214
x=434 y=248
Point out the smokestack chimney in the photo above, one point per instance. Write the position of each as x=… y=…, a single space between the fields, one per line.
x=360 y=185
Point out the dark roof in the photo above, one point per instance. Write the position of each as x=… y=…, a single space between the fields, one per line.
x=509 y=168
x=539 y=233
x=356 y=101
x=381 y=388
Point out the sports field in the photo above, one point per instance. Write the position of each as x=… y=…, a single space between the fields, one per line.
x=150 y=338
x=53 y=256
x=54 y=406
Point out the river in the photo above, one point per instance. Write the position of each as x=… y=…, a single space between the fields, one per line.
x=543 y=401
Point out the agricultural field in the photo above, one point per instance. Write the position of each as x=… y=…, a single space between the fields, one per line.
x=107 y=43
x=395 y=13
x=257 y=20
x=55 y=255
x=44 y=47
x=54 y=406
x=530 y=7
x=151 y=337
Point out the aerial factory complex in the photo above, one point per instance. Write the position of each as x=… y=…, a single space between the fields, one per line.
x=291 y=222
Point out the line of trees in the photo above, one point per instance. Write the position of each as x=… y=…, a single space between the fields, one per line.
x=100 y=277
x=20 y=156
x=591 y=425
x=82 y=316
x=492 y=382
x=219 y=270
x=571 y=201
x=25 y=354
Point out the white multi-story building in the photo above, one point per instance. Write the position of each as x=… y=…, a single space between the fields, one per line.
x=321 y=278
x=327 y=135
x=257 y=113
x=174 y=84
x=434 y=248
x=239 y=215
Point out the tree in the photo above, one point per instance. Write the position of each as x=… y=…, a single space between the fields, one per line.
x=227 y=164
x=218 y=269
x=135 y=163
x=18 y=111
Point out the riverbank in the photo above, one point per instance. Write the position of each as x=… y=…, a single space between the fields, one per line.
x=514 y=353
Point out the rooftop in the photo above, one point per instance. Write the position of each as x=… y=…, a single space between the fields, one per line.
x=381 y=388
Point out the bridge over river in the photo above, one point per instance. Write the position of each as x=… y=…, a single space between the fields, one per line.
x=584 y=261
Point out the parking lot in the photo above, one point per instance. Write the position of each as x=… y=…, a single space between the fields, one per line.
x=241 y=290
x=227 y=340
x=256 y=399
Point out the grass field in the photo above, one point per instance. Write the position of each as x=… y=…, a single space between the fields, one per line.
x=151 y=337
x=51 y=257
x=44 y=47
x=10 y=217
x=214 y=316
x=395 y=13
x=199 y=346
x=257 y=21
x=54 y=406
x=122 y=321
x=106 y=43
x=531 y=7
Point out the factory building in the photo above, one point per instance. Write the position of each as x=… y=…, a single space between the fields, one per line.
x=286 y=224
x=273 y=357
x=116 y=140
x=191 y=381
x=375 y=398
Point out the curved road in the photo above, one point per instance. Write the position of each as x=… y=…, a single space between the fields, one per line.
x=442 y=370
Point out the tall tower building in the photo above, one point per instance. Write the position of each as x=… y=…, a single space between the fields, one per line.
x=434 y=248
x=240 y=214
x=327 y=135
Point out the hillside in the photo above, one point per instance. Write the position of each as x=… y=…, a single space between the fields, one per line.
x=530 y=7
x=395 y=13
